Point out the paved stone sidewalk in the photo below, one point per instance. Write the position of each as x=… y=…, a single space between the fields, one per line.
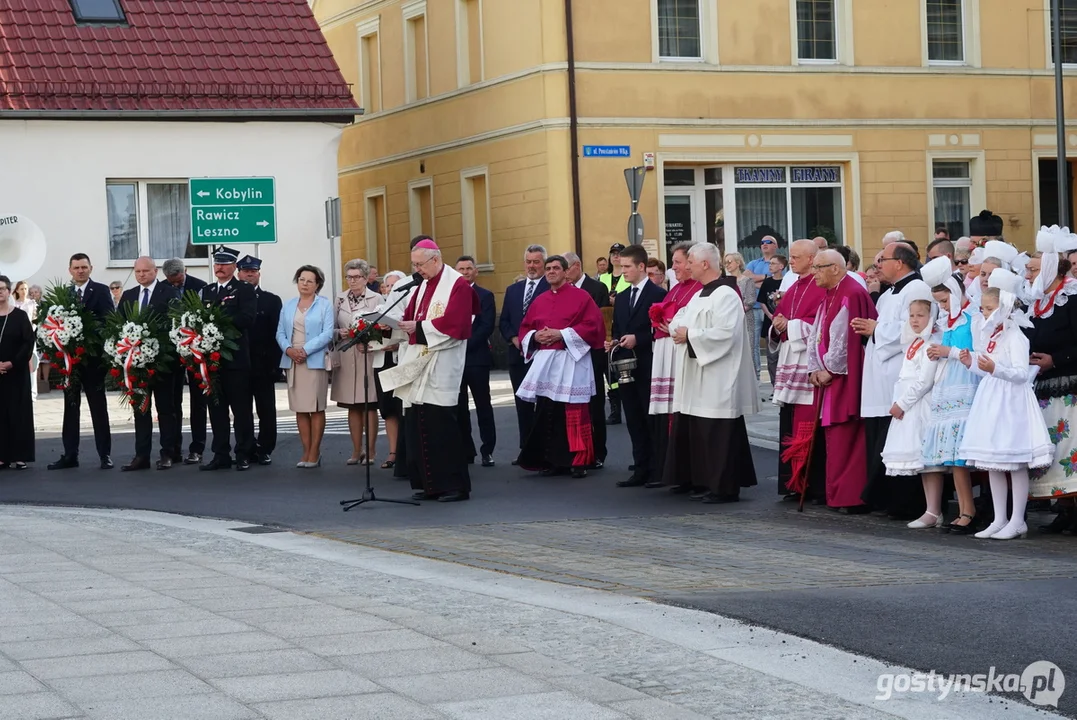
x=124 y=614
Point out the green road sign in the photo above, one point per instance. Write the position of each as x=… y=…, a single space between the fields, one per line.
x=233 y=211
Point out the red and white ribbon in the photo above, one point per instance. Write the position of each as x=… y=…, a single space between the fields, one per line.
x=54 y=326
x=190 y=338
x=130 y=348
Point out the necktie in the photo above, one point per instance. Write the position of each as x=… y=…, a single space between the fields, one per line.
x=145 y=297
x=529 y=295
x=632 y=298
x=80 y=294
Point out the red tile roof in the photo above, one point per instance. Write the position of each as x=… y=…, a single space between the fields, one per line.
x=246 y=58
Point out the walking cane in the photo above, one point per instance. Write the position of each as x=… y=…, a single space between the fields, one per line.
x=816 y=420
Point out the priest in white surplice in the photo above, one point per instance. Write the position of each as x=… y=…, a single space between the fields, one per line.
x=557 y=334
x=716 y=387
x=902 y=498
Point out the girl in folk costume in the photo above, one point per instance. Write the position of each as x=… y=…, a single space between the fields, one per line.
x=1020 y=441
x=904 y=442
x=950 y=401
x=1053 y=344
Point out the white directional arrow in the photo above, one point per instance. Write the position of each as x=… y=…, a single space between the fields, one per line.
x=202 y=193
x=263 y=223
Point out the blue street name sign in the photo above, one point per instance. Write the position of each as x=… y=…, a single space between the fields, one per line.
x=612 y=151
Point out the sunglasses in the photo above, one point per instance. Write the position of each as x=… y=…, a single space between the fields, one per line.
x=961 y=262
x=767 y=242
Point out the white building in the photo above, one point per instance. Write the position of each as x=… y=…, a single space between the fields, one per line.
x=100 y=136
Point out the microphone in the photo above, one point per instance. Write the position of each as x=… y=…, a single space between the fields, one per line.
x=416 y=279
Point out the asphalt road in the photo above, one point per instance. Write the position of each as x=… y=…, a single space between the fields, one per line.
x=948 y=604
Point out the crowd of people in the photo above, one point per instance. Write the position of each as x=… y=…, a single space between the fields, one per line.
x=896 y=386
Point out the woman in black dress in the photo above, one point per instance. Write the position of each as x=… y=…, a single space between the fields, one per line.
x=16 y=407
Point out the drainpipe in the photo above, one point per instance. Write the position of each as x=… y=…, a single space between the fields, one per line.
x=574 y=130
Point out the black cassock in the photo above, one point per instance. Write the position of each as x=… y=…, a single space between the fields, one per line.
x=16 y=407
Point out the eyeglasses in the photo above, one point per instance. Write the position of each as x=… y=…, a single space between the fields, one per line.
x=353 y=278
x=416 y=266
x=817 y=268
x=882 y=260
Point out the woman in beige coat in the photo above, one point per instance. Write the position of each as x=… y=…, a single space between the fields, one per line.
x=350 y=366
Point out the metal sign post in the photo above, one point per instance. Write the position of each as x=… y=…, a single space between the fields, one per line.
x=634 y=177
x=1060 y=118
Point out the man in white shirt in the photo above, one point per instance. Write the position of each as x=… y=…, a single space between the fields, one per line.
x=154 y=296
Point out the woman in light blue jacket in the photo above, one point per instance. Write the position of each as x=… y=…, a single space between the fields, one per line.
x=304 y=332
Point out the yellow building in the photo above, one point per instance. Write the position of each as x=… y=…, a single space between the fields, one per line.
x=804 y=116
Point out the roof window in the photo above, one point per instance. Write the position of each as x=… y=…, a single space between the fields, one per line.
x=98 y=11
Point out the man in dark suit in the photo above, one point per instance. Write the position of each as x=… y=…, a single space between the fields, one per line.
x=241 y=305
x=265 y=359
x=477 y=369
x=518 y=297
x=601 y=296
x=158 y=296
x=175 y=273
x=98 y=300
x=632 y=331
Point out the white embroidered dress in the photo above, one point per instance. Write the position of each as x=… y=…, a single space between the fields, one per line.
x=903 y=451
x=1005 y=430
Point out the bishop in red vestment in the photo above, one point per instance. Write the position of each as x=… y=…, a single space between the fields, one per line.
x=793 y=392
x=836 y=364
x=427 y=380
x=557 y=335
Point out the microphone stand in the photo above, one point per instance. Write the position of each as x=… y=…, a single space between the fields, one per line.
x=368 y=491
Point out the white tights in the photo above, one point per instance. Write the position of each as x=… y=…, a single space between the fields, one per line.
x=1019 y=482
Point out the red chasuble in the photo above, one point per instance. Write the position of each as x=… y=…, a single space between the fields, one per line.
x=456 y=321
x=566 y=307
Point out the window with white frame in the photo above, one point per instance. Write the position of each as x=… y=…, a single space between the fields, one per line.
x=421 y=207
x=945 y=31
x=469 y=51
x=475 y=201
x=1068 y=16
x=817 y=30
x=149 y=217
x=416 y=51
x=680 y=34
x=951 y=182
x=375 y=226
x=370 y=66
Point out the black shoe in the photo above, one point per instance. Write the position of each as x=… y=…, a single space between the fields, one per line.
x=217 y=463
x=487 y=460
x=654 y=484
x=1062 y=521
x=243 y=464
x=579 y=472
x=680 y=489
x=265 y=459
x=632 y=482
x=715 y=499
x=454 y=497
x=599 y=464
x=516 y=461
x=192 y=459
x=632 y=468
x=106 y=462
x=138 y=463
x=64 y=463
x=422 y=495
x=700 y=494
x=165 y=463
x=549 y=472
x=613 y=420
